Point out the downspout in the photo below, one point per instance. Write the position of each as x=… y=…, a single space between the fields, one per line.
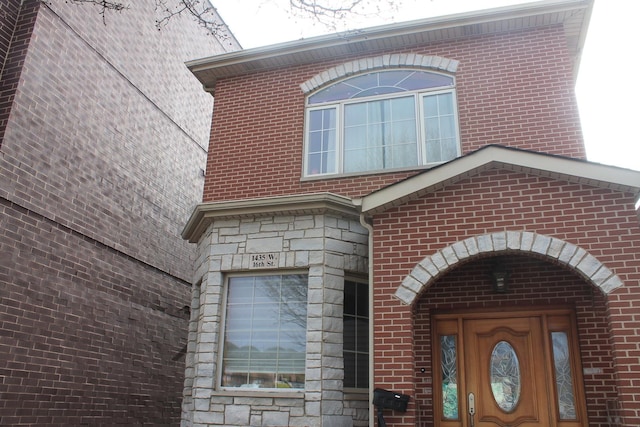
x=365 y=222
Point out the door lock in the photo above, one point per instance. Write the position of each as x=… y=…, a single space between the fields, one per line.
x=471 y=400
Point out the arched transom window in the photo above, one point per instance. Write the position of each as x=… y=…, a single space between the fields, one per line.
x=392 y=119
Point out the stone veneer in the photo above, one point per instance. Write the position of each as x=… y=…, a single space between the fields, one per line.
x=326 y=247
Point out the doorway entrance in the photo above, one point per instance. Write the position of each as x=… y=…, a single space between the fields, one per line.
x=508 y=369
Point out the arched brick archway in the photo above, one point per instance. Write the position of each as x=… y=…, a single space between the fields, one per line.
x=556 y=250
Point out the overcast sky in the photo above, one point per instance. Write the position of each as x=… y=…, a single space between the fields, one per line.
x=608 y=93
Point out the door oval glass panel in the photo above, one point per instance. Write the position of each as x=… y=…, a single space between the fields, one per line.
x=505 y=376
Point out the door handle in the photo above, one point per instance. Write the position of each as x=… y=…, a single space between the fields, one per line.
x=471 y=404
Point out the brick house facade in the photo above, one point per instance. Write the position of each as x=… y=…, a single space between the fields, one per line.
x=103 y=140
x=501 y=267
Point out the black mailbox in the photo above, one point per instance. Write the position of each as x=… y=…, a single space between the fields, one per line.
x=385 y=399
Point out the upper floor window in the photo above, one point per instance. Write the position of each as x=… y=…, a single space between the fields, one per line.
x=380 y=121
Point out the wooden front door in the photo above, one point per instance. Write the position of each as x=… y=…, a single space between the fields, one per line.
x=507 y=369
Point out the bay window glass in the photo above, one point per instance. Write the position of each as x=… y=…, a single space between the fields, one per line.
x=265 y=332
x=379 y=121
x=356 y=334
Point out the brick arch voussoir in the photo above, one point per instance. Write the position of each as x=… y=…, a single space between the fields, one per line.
x=559 y=251
x=397 y=60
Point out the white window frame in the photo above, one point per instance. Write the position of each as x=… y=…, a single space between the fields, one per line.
x=223 y=330
x=339 y=107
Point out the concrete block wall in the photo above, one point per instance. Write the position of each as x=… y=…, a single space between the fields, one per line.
x=325 y=247
x=101 y=163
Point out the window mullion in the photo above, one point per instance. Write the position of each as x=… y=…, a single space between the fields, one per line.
x=421 y=133
x=340 y=138
x=277 y=367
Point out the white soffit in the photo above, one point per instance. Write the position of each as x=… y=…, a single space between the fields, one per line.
x=498 y=157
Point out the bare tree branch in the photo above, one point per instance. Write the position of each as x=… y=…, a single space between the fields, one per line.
x=325 y=12
x=330 y=12
x=105 y=5
x=201 y=10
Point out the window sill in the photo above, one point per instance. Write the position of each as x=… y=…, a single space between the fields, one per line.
x=368 y=173
x=260 y=393
x=356 y=394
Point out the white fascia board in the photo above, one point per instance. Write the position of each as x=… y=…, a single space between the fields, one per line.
x=385 y=31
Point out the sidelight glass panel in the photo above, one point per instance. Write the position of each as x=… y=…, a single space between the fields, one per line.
x=505 y=376
x=448 y=366
x=564 y=378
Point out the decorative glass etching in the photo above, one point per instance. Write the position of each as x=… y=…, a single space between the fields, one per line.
x=448 y=366
x=564 y=379
x=505 y=376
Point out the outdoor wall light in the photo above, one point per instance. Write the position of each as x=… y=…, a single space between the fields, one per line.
x=500 y=277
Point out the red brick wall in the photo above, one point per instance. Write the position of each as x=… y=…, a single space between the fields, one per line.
x=513 y=89
x=600 y=221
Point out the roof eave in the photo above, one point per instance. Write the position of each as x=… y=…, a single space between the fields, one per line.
x=209 y=70
x=301 y=204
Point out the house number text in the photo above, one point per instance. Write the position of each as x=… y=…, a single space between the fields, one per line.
x=269 y=260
